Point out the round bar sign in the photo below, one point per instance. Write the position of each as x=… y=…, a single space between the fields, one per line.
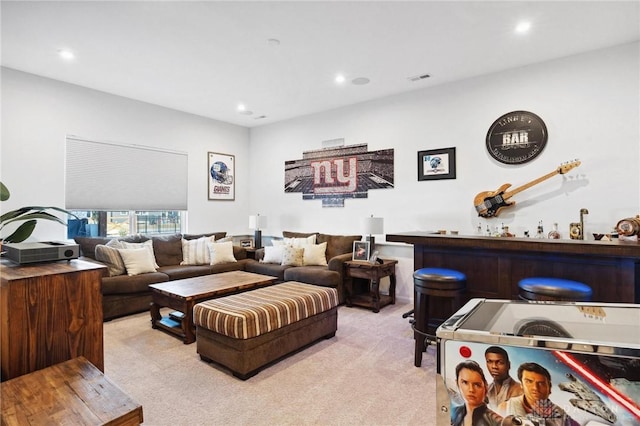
x=516 y=137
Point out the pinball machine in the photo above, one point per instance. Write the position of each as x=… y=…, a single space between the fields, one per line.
x=589 y=351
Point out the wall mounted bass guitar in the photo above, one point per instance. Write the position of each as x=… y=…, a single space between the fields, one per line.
x=489 y=204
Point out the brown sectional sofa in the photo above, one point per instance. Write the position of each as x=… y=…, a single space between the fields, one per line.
x=125 y=295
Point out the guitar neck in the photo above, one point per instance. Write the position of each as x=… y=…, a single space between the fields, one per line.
x=515 y=191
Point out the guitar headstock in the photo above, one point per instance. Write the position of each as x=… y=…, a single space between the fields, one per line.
x=568 y=166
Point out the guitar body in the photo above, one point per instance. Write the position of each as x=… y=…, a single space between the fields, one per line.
x=488 y=203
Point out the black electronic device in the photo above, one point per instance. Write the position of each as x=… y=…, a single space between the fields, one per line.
x=46 y=251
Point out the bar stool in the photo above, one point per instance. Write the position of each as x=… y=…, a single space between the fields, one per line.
x=553 y=289
x=433 y=282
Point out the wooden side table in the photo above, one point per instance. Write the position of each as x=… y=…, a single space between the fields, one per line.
x=372 y=272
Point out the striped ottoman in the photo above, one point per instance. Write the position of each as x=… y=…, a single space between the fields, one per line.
x=247 y=331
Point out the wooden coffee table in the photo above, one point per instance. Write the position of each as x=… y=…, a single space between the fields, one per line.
x=182 y=295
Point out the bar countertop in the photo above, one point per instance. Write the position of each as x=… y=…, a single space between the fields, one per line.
x=614 y=247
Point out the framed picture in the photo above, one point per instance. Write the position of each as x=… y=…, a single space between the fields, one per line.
x=361 y=250
x=248 y=243
x=222 y=171
x=437 y=164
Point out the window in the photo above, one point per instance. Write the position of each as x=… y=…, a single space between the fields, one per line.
x=121 y=223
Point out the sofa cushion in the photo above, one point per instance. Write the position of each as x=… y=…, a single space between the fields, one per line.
x=318 y=275
x=271 y=269
x=88 y=245
x=288 y=234
x=147 y=245
x=216 y=235
x=180 y=272
x=315 y=254
x=167 y=249
x=196 y=252
x=338 y=244
x=124 y=284
x=221 y=253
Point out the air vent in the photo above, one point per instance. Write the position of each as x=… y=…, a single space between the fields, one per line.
x=260 y=117
x=419 y=77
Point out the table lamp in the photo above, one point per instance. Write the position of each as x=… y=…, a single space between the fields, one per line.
x=373 y=225
x=256 y=222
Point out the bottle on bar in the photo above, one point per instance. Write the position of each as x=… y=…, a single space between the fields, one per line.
x=629 y=226
x=554 y=234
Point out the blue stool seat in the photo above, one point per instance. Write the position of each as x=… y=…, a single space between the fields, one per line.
x=437 y=283
x=554 y=289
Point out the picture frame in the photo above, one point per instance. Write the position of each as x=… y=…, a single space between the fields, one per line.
x=221 y=176
x=247 y=243
x=360 y=251
x=434 y=164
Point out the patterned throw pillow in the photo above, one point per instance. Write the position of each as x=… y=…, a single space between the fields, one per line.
x=110 y=256
x=315 y=254
x=300 y=242
x=221 y=252
x=196 y=252
x=292 y=256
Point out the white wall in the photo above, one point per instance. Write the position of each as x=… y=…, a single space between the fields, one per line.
x=38 y=113
x=589 y=102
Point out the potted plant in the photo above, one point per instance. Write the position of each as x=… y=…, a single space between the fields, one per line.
x=28 y=215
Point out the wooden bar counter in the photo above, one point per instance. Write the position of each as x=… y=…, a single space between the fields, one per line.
x=494 y=265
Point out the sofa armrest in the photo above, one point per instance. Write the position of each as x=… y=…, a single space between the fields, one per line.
x=239 y=252
x=336 y=263
x=259 y=254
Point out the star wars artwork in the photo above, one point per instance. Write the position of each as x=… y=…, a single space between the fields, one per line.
x=222 y=170
x=333 y=174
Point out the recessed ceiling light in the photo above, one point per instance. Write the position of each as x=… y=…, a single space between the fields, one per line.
x=241 y=107
x=66 y=54
x=523 y=27
x=340 y=79
x=360 y=81
x=273 y=42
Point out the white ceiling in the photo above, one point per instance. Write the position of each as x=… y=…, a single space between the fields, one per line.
x=206 y=57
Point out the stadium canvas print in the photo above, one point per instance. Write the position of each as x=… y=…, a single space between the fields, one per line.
x=333 y=174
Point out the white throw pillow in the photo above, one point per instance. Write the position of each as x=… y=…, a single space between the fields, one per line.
x=196 y=252
x=277 y=243
x=224 y=240
x=137 y=261
x=292 y=256
x=147 y=245
x=315 y=254
x=300 y=242
x=221 y=252
x=272 y=254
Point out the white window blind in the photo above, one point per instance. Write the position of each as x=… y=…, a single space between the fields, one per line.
x=115 y=177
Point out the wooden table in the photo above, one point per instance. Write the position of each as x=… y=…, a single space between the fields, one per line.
x=182 y=295
x=372 y=272
x=49 y=313
x=74 y=392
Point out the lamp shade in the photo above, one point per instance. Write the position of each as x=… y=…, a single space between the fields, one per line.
x=373 y=225
x=257 y=222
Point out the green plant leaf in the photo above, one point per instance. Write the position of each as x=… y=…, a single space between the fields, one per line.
x=4 y=192
x=23 y=232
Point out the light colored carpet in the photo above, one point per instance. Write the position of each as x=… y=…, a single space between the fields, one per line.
x=363 y=376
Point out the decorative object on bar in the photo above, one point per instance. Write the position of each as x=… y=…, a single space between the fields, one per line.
x=257 y=223
x=488 y=204
x=540 y=231
x=576 y=230
x=554 y=234
x=629 y=226
x=372 y=226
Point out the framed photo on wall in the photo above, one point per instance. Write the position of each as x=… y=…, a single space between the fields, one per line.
x=437 y=164
x=360 y=250
x=222 y=171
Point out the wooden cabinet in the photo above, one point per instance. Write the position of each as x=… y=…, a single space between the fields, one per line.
x=371 y=272
x=49 y=313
